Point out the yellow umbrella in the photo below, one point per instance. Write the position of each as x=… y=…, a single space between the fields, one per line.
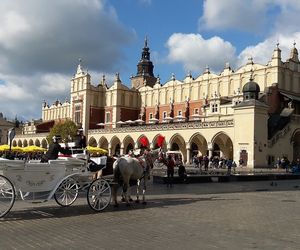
x=4 y=147
x=17 y=148
x=34 y=148
x=96 y=150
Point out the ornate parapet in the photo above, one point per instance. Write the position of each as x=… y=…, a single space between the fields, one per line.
x=164 y=127
x=31 y=136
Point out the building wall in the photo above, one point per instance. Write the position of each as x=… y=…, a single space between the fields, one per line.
x=216 y=97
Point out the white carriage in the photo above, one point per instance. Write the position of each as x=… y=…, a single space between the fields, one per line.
x=62 y=179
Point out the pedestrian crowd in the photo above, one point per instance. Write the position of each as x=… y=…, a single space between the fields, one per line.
x=214 y=162
x=13 y=155
x=284 y=163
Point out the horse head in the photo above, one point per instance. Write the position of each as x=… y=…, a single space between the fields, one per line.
x=151 y=156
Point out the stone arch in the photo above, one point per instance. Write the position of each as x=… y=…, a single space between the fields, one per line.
x=25 y=143
x=295 y=140
x=128 y=144
x=44 y=143
x=103 y=143
x=199 y=143
x=14 y=143
x=154 y=143
x=92 y=142
x=222 y=145
x=177 y=143
x=19 y=143
x=138 y=143
x=115 y=145
x=37 y=142
x=30 y=142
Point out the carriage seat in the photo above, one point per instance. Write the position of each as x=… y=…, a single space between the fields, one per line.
x=67 y=162
x=11 y=164
x=97 y=163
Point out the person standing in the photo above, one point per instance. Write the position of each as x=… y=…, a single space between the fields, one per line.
x=80 y=140
x=206 y=162
x=170 y=170
x=229 y=165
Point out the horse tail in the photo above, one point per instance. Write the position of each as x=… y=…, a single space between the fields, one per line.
x=117 y=172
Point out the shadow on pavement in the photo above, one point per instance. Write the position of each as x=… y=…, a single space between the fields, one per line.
x=48 y=212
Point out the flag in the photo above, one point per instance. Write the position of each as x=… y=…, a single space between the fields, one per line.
x=144 y=141
x=160 y=140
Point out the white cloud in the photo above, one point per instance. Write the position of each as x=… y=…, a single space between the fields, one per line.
x=195 y=53
x=262 y=52
x=13 y=26
x=49 y=35
x=234 y=14
x=257 y=16
x=41 y=41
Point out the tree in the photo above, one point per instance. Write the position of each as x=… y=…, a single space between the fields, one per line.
x=66 y=129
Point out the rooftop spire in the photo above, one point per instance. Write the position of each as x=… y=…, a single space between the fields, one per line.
x=79 y=67
x=145 y=66
x=294 y=53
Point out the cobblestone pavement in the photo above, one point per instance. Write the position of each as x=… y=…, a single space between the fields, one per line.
x=235 y=215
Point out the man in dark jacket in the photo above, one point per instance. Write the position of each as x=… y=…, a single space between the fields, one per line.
x=80 y=140
x=54 y=149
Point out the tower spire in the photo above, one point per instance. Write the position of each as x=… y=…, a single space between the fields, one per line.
x=144 y=75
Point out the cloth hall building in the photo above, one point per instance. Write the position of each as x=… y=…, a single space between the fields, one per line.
x=251 y=113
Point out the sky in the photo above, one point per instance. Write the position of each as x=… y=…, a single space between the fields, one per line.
x=42 y=41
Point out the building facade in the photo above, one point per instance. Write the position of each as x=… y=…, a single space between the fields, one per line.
x=5 y=126
x=251 y=113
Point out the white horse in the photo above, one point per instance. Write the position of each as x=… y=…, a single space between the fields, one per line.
x=128 y=169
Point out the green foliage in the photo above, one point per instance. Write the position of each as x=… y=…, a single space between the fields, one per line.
x=66 y=129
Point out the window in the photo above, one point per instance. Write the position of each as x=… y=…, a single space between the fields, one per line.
x=214 y=108
x=77 y=113
x=196 y=111
x=150 y=116
x=179 y=113
x=164 y=114
x=107 y=117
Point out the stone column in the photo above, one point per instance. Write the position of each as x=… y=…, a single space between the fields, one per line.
x=122 y=149
x=210 y=150
x=109 y=149
x=188 y=153
x=168 y=146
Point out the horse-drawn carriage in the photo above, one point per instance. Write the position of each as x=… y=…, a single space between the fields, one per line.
x=62 y=179
x=65 y=177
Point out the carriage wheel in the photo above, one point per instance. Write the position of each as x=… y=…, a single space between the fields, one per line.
x=67 y=192
x=7 y=195
x=99 y=195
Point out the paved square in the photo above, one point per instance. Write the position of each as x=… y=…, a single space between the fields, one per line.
x=236 y=215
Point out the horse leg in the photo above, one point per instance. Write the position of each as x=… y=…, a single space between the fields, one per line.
x=115 y=190
x=137 y=191
x=122 y=196
x=144 y=191
x=125 y=189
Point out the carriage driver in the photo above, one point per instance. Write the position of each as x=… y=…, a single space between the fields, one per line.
x=54 y=149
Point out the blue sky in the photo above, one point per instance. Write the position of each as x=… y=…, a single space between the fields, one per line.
x=41 y=41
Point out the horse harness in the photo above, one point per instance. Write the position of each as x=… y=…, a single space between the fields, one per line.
x=145 y=162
